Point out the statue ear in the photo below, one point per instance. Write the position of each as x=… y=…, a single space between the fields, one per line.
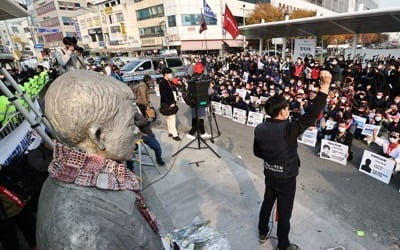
x=96 y=136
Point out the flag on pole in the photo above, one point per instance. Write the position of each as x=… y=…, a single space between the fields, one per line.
x=203 y=25
x=208 y=12
x=230 y=23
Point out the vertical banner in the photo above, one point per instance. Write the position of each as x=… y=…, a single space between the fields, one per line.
x=227 y=111
x=309 y=137
x=334 y=151
x=255 y=118
x=377 y=166
x=239 y=115
x=216 y=107
x=303 y=47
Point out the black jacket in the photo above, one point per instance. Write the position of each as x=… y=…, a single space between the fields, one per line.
x=166 y=94
x=275 y=141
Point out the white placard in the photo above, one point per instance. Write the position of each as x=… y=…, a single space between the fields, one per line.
x=330 y=124
x=263 y=99
x=255 y=118
x=239 y=115
x=334 y=151
x=227 y=111
x=242 y=93
x=217 y=107
x=360 y=121
x=309 y=137
x=253 y=99
x=304 y=47
x=377 y=166
x=369 y=129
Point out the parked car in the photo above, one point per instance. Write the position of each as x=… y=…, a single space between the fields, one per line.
x=137 y=68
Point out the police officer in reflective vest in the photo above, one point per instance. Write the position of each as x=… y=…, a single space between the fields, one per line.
x=275 y=141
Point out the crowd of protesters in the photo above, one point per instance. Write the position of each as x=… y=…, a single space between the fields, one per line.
x=368 y=89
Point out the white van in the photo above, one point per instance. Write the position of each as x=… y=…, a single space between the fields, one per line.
x=137 y=68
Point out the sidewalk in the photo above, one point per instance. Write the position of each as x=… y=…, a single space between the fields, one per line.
x=226 y=193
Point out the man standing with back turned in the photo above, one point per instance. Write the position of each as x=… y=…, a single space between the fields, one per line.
x=275 y=141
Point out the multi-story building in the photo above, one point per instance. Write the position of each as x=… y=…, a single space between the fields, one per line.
x=150 y=15
x=345 y=5
x=57 y=14
x=111 y=27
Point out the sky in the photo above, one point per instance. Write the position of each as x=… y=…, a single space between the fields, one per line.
x=388 y=3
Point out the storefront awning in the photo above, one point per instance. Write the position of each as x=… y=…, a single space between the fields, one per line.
x=9 y=9
x=201 y=45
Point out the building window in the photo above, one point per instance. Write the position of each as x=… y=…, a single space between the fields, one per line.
x=172 y=21
x=119 y=17
x=52 y=22
x=82 y=24
x=14 y=29
x=96 y=21
x=110 y=19
x=68 y=5
x=154 y=11
x=115 y=29
x=45 y=8
x=90 y=22
x=194 y=19
x=93 y=37
x=71 y=34
x=67 y=20
x=151 y=31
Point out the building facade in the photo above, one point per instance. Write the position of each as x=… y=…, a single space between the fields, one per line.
x=110 y=26
x=59 y=15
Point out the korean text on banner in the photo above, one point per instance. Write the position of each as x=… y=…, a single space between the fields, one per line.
x=377 y=166
x=217 y=107
x=255 y=118
x=309 y=137
x=361 y=121
x=227 y=111
x=239 y=115
x=303 y=48
x=334 y=151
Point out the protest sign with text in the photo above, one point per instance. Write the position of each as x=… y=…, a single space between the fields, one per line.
x=360 y=121
x=369 y=129
x=227 y=111
x=217 y=107
x=239 y=115
x=377 y=166
x=334 y=151
x=255 y=118
x=309 y=137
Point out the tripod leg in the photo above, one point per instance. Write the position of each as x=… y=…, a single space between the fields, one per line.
x=210 y=122
x=180 y=150
x=211 y=148
x=216 y=124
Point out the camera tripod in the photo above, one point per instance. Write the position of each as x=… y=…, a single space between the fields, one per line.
x=198 y=137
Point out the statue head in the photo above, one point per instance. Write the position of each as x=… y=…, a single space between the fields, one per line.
x=93 y=113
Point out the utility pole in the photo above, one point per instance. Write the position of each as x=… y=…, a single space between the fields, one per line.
x=244 y=24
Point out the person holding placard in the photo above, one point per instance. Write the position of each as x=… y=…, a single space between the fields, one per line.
x=390 y=147
x=275 y=141
x=341 y=135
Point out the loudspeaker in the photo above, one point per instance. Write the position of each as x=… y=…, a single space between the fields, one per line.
x=198 y=92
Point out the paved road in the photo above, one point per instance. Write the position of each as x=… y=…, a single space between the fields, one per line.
x=330 y=189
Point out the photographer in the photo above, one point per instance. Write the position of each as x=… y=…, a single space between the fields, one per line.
x=66 y=58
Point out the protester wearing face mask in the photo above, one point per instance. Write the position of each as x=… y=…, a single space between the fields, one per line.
x=378 y=102
x=390 y=147
x=275 y=141
x=340 y=134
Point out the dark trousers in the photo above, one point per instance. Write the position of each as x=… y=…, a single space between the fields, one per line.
x=282 y=190
x=152 y=142
x=193 y=130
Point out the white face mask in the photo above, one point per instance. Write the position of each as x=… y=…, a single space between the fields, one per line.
x=379 y=97
x=378 y=119
x=287 y=97
x=299 y=100
x=392 y=140
x=341 y=129
x=361 y=96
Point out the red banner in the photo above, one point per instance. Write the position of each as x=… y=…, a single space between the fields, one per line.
x=203 y=25
x=230 y=23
